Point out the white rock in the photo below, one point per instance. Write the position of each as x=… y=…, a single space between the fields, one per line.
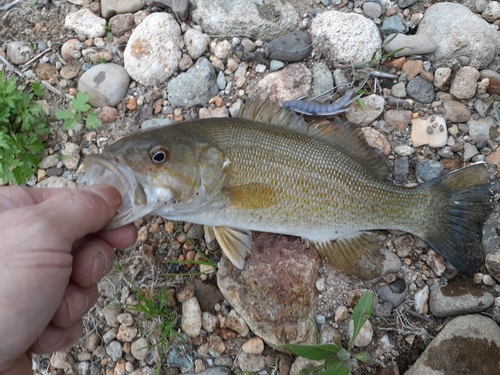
x=56 y=182
x=364 y=336
x=441 y=77
x=465 y=83
x=374 y=106
x=222 y=49
x=196 y=43
x=140 y=348
x=87 y=23
x=63 y=360
x=209 y=322
x=492 y=11
x=71 y=153
x=421 y=301
x=126 y=319
x=152 y=54
x=191 y=317
x=255 y=345
x=49 y=161
x=106 y=84
x=341 y=314
x=431 y=131
x=126 y=334
x=328 y=31
x=237 y=323
x=19 y=52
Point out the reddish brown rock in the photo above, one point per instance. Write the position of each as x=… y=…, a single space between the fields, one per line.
x=455 y=111
x=412 y=68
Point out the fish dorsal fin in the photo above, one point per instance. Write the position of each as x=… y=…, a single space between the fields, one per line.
x=342 y=134
x=234 y=242
x=346 y=253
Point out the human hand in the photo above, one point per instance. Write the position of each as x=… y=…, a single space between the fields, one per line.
x=52 y=254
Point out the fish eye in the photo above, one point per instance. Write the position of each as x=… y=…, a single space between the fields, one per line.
x=159 y=154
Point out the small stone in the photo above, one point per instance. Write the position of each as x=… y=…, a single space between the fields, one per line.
x=109 y=335
x=140 y=349
x=341 y=314
x=84 y=356
x=456 y=111
x=45 y=71
x=436 y=262
x=421 y=305
x=228 y=334
x=108 y=114
x=376 y=140
x=255 y=345
x=431 y=131
x=111 y=313
x=121 y=23
x=49 y=161
x=364 y=336
x=421 y=90
x=86 y=22
x=196 y=43
x=186 y=292
x=106 y=84
x=114 y=350
x=403 y=245
x=126 y=334
x=92 y=341
x=191 y=317
x=488 y=280
x=480 y=128
x=132 y=104
x=291 y=47
x=209 y=322
x=126 y=319
x=441 y=77
x=69 y=48
x=372 y=9
x=251 y=363
x=237 y=323
x=393 y=25
x=464 y=84
x=67 y=72
x=399 y=89
x=412 y=68
x=72 y=153
x=494 y=81
x=374 y=105
x=401 y=169
x=427 y=170
x=469 y=151
x=222 y=49
x=398 y=118
x=185 y=62
x=493 y=264
x=458 y=300
x=19 y=52
x=492 y=11
x=64 y=361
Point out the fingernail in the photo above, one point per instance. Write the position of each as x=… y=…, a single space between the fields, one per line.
x=108 y=193
x=76 y=303
x=50 y=338
x=101 y=266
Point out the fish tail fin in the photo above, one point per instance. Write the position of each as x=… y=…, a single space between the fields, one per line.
x=463 y=201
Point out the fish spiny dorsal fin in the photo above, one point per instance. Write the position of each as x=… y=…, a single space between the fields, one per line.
x=342 y=134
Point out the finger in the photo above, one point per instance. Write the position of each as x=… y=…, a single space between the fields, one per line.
x=54 y=338
x=119 y=237
x=92 y=260
x=75 y=304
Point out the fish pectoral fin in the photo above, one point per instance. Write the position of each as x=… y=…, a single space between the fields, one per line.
x=234 y=242
x=209 y=233
x=345 y=253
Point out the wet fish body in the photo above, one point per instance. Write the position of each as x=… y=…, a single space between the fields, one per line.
x=268 y=171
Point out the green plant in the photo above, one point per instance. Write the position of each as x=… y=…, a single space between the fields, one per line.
x=337 y=358
x=80 y=111
x=22 y=125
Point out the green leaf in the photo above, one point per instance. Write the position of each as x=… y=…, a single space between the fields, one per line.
x=363 y=357
x=79 y=103
x=38 y=89
x=336 y=367
x=70 y=123
x=92 y=121
x=361 y=313
x=314 y=352
x=344 y=355
x=63 y=114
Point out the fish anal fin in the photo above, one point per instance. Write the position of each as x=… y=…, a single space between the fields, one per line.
x=234 y=242
x=348 y=253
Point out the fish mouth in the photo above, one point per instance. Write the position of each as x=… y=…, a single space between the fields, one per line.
x=114 y=172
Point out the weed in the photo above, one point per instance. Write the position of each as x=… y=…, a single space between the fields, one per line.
x=80 y=111
x=337 y=358
x=22 y=124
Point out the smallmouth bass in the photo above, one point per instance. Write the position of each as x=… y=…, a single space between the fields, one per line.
x=269 y=171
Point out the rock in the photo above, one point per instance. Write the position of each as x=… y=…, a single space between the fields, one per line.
x=364 y=336
x=492 y=11
x=195 y=87
x=421 y=90
x=106 y=84
x=329 y=37
x=436 y=262
x=255 y=345
x=401 y=169
x=419 y=44
x=493 y=264
x=140 y=349
x=237 y=323
x=49 y=161
x=251 y=363
x=111 y=313
x=126 y=319
x=303 y=363
x=399 y=90
x=494 y=81
x=291 y=47
x=108 y=114
x=289 y=83
x=431 y=131
x=398 y=118
x=191 y=317
x=469 y=151
x=64 y=361
x=374 y=106
x=152 y=54
x=209 y=322
x=458 y=300
x=467 y=344
x=181 y=356
x=412 y=68
x=441 y=77
x=92 y=341
x=71 y=151
x=126 y=334
x=208 y=295
x=214 y=346
x=376 y=140
x=479 y=128
x=213 y=371
x=427 y=170
x=86 y=22
x=56 y=182
x=109 y=8
x=455 y=111
x=395 y=292
x=45 y=71
x=68 y=72
x=421 y=305
x=70 y=50
x=109 y=335
x=156 y=122
x=444 y=24
x=196 y=43
x=264 y=21
x=393 y=25
x=273 y=264
x=114 y=350
x=19 y=52
x=121 y=23
x=372 y=9
x=465 y=82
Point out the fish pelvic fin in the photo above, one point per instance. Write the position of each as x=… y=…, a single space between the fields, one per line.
x=234 y=242
x=465 y=201
x=346 y=253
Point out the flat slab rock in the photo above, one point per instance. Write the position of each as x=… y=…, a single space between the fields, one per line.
x=275 y=291
x=457 y=300
x=468 y=344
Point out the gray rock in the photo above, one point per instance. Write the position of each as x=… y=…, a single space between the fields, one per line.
x=480 y=5
x=156 y=122
x=393 y=25
x=456 y=111
x=418 y=44
x=421 y=90
x=469 y=151
x=458 y=300
x=467 y=344
x=276 y=65
x=374 y=106
x=421 y=302
x=106 y=84
x=493 y=264
x=492 y=11
x=291 y=47
x=444 y=23
x=19 y=52
x=180 y=7
x=180 y=356
x=152 y=54
x=195 y=232
x=329 y=36
x=322 y=80
x=427 y=170
x=87 y=23
x=109 y=8
x=289 y=83
x=213 y=371
x=121 y=23
x=395 y=293
x=398 y=118
x=479 y=128
x=140 y=348
x=399 y=90
x=195 y=87
x=49 y=161
x=372 y=9
x=465 y=83
x=221 y=81
x=196 y=43
x=401 y=169
x=114 y=350
x=446 y=152
x=406 y=3
x=111 y=313
x=260 y=20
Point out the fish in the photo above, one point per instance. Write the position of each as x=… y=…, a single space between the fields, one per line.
x=269 y=170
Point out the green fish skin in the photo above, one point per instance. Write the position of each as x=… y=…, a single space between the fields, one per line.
x=269 y=171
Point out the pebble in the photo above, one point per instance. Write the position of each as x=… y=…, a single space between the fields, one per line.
x=374 y=106
x=107 y=84
x=86 y=22
x=469 y=151
x=114 y=350
x=446 y=152
x=111 y=7
x=431 y=131
x=341 y=314
x=191 y=317
x=399 y=89
x=45 y=71
x=126 y=319
x=64 y=361
x=49 y=161
x=398 y=118
x=401 y=169
x=152 y=54
x=322 y=81
x=479 y=128
x=126 y=334
x=251 y=363
x=289 y=83
x=111 y=313
x=421 y=305
x=421 y=90
x=395 y=293
x=92 y=341
x=195 y=87
x=68 y=72
x=456 y=111
x=436 y=262
x=255 y=345
x=209 y=322
x=458 y=300
x=393 y=25
x=488 y=280
x=372 y=9
x=427 y=170
x=441 y=77
x=19 y=52
x=276 y=65
x=376 y=140
x=493 y=264
x=364 y=336
x=140 y=348
x=71 y=151
x=494 y=81
x=180 y=356
x=419 y=44
x=156 y=122
x=121 y=23
x=412 y=68
x=492 y=11
x=108 y=114
x=237 y=323
x=291 y=47
x=465 y=82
